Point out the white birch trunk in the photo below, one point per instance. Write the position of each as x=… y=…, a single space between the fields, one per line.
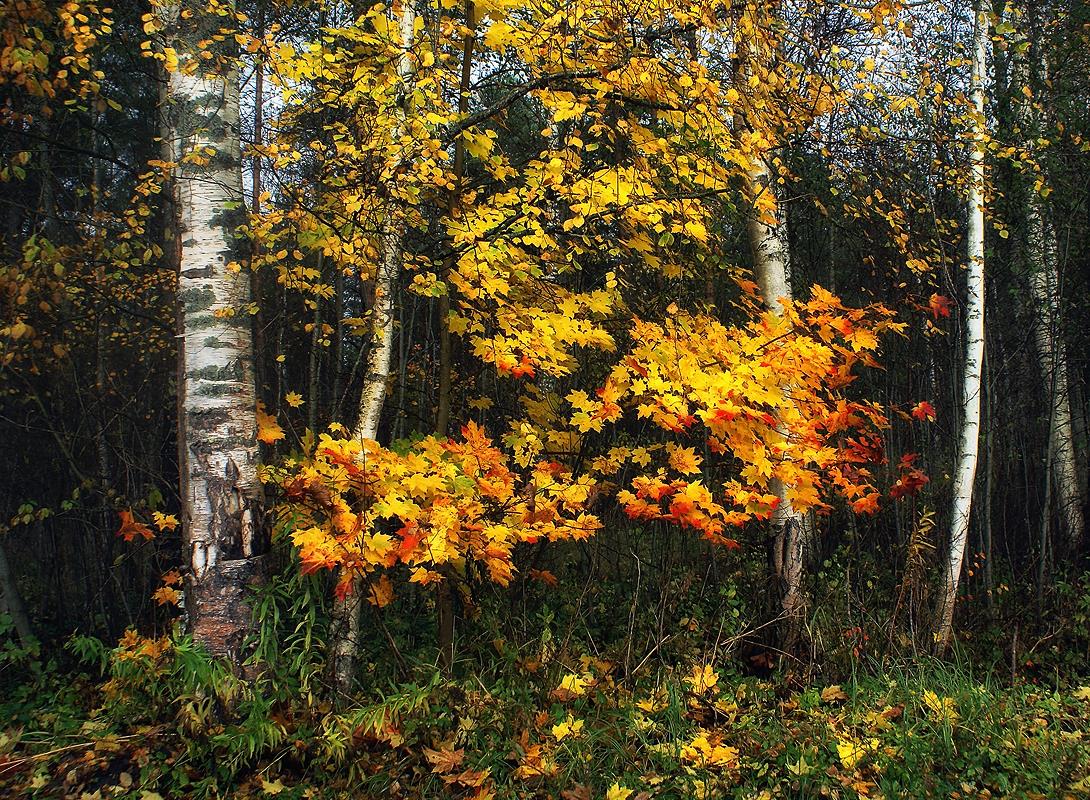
x=1052 y=353
x=346 y=611
x=968 y=447
x=222 y=505
x=1043 y=263
x=790 y=528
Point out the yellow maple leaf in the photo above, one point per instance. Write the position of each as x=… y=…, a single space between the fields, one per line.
x=293 y=399
x=617 y=792
x=569 y=727
x=164 y=522
x=268 y=429
x=851 y=751
x=702 y=678
x=684 y=460
x=705 y=751
x=166 y=595
x=381 y=592
x=941 y=709
x=832 y=693
x=572 y=686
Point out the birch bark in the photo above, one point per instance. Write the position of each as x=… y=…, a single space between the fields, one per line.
x=346 y=610
x=1043 y=265
x=790 y=528
x=969 y=443
x=224 y=535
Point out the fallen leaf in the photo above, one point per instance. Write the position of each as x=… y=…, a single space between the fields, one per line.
x=444 y=760
x=833 y=693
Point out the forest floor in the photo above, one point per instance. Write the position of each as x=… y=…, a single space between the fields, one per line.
x=574 y=732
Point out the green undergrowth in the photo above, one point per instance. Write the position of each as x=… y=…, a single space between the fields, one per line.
x=152 y=718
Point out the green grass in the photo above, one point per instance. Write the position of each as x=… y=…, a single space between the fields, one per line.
x=929 y=729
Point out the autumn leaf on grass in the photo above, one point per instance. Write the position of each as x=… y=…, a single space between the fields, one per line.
x=268 y=429
x=833 y=693
x=617 y=792
x=851 y=751
x=571 y=686
x=569 y=727
x=536 y=763
x=444 y=760
x=702 y=679
x=705 y=751
x=940 y=709
x=656 y=702
x=131 y=527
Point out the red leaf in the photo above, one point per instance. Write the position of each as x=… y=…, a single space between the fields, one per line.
x=940 y=305
x=924 y=411
x=131 y=528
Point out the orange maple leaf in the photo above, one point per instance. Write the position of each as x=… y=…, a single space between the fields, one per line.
x=167 y=595
x=940 y=305
x=131 y=527
x=381 y=592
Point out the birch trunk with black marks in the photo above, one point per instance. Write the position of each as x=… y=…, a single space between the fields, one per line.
x=790 y=528
x=224 y=534
x=345 y=631
x=1052 y=353
x=969 y=444
x=1042 y=263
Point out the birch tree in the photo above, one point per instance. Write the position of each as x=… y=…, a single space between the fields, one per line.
x=1042 y=264
x=346 y=610
x=968 y=446
x=766 y=229
x=767 y=235
x=222 y=499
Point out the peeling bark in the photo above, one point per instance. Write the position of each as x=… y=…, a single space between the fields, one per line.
x=224 y=532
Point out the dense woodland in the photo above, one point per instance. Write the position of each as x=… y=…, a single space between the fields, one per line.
x=544 y=399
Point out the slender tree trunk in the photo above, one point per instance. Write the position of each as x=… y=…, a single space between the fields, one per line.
x=1045 y=282
x=444 y=597
x=346 y=611
x=12 y=602
x=256 y=293
x=222 y=500
x=1042 y=261
x=314 y=363
x=790 y=528
x=1052 y=353
x=968 y=447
